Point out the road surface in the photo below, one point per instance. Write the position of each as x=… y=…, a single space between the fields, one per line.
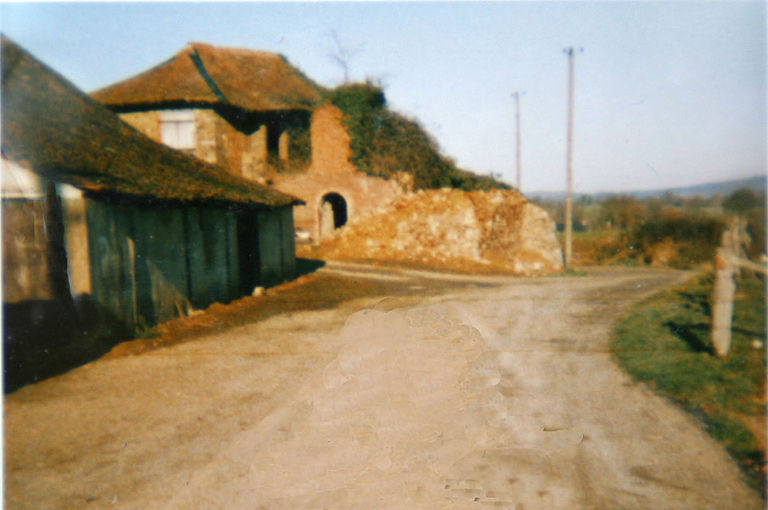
x=491 y=393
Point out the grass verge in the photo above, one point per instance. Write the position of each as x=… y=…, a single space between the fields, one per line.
x=666 y=343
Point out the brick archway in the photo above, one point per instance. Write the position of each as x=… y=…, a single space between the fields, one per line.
x=333 y=213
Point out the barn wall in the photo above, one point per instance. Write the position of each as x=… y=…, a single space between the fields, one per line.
x=234 y=270
x=288 y=248
x=25 y=258
x=207 y=240
x=159 y=235
x=270 y=244
x=248 y=254
x=113 y=276
x=45 y=245
x=153 y=264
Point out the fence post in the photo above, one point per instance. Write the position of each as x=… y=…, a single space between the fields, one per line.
x=722 y=301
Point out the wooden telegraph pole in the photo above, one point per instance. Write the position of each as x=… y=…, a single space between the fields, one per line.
x=569 y=185
x=516 y=95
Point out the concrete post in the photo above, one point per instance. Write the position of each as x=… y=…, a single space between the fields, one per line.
x=722 y=302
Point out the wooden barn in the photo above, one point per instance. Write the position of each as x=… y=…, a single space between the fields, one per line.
x=147 y=231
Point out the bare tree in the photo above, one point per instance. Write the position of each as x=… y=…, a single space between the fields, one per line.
x=341 y=54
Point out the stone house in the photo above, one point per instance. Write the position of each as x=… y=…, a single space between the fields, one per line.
x=93 y=209
x=262 y=119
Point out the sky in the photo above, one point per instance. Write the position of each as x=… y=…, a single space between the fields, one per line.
x=666 y=94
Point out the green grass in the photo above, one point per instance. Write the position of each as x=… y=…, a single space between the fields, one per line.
x=666 y=343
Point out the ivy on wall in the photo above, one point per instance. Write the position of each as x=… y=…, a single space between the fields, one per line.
x=384 y=142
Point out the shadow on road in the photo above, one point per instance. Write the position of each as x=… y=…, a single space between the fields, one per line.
x=307 y=266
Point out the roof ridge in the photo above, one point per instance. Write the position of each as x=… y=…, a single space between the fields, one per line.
x=197 y=60
x=201 y=73
x=230 y=49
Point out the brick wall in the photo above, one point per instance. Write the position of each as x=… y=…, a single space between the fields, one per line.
x=331 y=170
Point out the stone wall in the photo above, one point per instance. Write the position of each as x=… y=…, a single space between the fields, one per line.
x=455 y=230
x=25 y=251
x=218 y=142
x=144 y=122
x=45 y=245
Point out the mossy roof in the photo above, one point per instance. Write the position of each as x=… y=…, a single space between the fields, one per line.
x=51 y=127
x=202 y=74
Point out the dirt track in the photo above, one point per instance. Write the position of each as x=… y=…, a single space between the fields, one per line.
x=492 y=392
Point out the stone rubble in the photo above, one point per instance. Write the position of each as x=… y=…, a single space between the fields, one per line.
x=449 y=228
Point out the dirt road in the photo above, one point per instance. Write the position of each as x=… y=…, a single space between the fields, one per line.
x=489 y=393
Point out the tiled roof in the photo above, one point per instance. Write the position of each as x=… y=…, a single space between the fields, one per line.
x=209 y=75
x=51 y=127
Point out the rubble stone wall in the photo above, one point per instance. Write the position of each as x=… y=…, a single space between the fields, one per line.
x=499 y=229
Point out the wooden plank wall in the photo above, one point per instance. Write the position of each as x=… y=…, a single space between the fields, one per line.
x=160 y=238
x=150 y=265
x=111 y=249
x=207 y=240
x=270 y=260
x=288 y=246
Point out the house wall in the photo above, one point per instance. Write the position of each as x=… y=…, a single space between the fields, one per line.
x=154 y=264
x=144 y=122
x=218 y=142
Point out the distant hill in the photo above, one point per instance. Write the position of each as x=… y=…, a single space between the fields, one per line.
x=757 y=183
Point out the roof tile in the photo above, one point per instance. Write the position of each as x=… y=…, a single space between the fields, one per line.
x=53 y=128
x=201 y=73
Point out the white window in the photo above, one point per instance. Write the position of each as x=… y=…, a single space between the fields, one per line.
x=178 y=129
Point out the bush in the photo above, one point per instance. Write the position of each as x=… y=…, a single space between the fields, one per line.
x=742 y=201
x=670 y=238
x=696 y=238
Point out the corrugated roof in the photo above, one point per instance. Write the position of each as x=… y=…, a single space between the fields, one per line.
x=50 y=126
x=205 y=74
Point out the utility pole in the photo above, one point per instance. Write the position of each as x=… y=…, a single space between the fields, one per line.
x=569 y=180
x=516 y=95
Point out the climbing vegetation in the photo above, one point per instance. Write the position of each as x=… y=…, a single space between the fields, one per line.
x=385 y=142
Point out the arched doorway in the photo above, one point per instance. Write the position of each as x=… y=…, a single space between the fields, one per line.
x=333 y=213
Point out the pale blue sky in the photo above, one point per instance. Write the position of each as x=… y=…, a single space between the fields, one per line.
x=667 y=93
